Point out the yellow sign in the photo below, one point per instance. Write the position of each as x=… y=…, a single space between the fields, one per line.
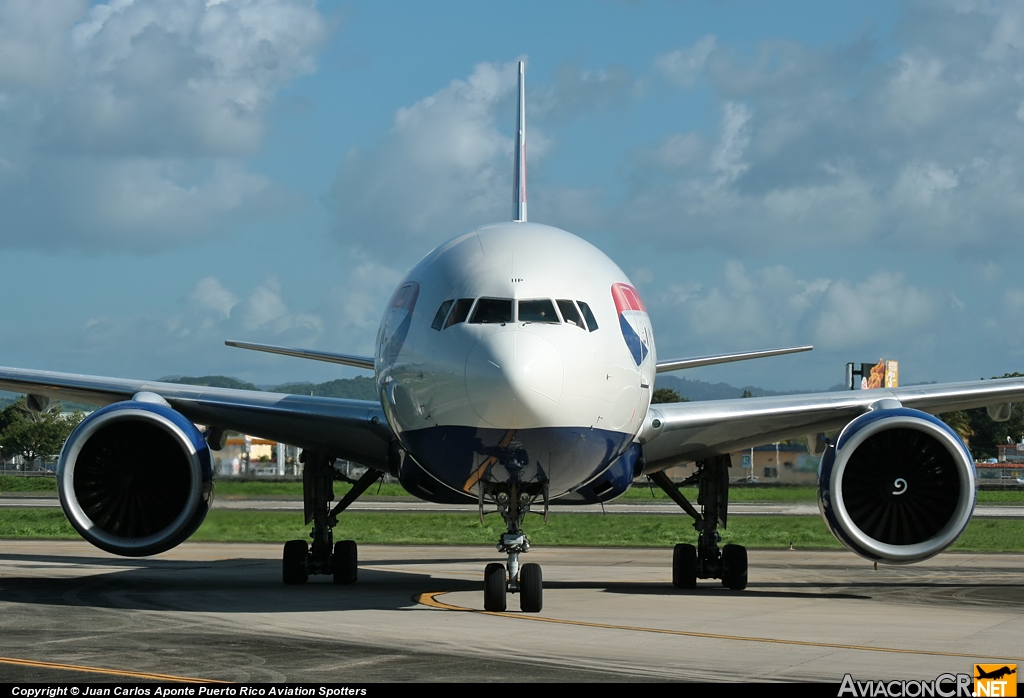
x=892 y=374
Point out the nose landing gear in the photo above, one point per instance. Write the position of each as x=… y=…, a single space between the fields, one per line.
x=513 y=503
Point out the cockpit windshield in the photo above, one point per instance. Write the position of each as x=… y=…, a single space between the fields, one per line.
x=492 y=310
x=570 y=314
x=541 y=310
x=500 y=311
x=460 y=312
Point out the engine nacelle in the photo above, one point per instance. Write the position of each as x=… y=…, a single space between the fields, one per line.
x=898 y=486
x=135 y=478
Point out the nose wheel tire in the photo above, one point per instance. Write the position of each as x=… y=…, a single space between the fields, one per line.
x=495 y=586
x=531 y=588
x=684 y=566
x=294 y=562
x=734 y=567
x=345 y=562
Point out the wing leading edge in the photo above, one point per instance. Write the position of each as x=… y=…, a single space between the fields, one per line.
x=681 y=432
x=352 y=429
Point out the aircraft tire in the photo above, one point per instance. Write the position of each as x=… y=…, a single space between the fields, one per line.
x=531 y=588
x=345 y=562
x=684 y=566
x=734 y=567
x=293 y=565
x=495 y=586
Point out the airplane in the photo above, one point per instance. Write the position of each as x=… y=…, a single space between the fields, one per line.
x=514 y=369
x=994 y=674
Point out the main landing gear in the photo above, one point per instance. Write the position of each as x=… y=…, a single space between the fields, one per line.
x=324 y=556
x=513 y=503
x=705 y=560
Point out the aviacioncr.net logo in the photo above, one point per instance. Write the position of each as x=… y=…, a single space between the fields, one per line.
x=995 y=680
x=943 y=686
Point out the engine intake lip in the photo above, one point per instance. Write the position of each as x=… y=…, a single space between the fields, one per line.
x=199 y=472
x=931 y=426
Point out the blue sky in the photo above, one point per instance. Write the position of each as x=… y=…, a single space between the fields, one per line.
x=180 y=172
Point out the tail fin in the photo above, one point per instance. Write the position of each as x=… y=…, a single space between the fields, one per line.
x=519 y=186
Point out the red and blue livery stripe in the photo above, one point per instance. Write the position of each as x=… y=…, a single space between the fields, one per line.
x=632 y=320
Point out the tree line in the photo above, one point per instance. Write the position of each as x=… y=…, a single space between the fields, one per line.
x=33 y=435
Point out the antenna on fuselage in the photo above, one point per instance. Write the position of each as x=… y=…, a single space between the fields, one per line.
x=519 y=185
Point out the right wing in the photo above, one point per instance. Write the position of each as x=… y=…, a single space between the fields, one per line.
x=688 y=431
x=355 y=430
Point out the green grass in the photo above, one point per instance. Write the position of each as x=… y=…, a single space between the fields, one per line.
x=757 y=532
x=772 y=493
x=254 y=489
x=20 y=483
x=1001 y=497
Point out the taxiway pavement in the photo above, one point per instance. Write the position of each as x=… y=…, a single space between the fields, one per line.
x=69 y=612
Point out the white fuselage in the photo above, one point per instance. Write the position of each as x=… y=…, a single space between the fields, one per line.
x=515 y=344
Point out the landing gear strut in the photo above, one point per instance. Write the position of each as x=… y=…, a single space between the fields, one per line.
x=513 y=502
x=706 y=560
x=324 y=556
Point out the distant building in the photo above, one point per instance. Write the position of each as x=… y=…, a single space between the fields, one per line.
x=782 y=463
x=249 y=455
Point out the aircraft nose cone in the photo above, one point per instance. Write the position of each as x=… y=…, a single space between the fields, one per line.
x=514 y=379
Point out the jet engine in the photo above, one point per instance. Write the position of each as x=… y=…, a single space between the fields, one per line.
x=897 y=486
x=135 y=478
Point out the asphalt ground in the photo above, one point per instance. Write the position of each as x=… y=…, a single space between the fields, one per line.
x=69 y=612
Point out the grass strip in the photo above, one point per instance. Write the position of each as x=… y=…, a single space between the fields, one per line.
x=20 y=483
x=757 y=532
x=255 y=489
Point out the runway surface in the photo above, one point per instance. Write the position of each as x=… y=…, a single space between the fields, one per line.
x=219 y=611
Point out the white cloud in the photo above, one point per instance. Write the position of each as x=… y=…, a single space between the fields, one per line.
x=773 y=306
x=443 y=166
x=577 y=89
x=879 y=309
x=768 y=305
x=844 y=144
x=727 y=157
x=123 y=124
x=210 y=299
x=34 y=51
x=265 y=310
x=182 y=76
x=676 y=151
x=683 y=66
x=918 y=183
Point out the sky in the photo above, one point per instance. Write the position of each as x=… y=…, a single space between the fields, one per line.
x=175 y=173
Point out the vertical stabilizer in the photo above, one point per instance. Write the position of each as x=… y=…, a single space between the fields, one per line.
x=519 y=185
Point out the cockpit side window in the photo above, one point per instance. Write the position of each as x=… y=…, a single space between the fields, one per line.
x=570 y=314
x=540 y=310
x=492 y=310
x=460 y=312
x=405 y=297
x=589 y=315
x=442 y=313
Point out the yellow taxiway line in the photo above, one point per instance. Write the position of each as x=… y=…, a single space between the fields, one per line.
x=109 y=672
x=430 y=599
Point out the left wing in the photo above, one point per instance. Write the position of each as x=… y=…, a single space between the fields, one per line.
x=680 y=432
x=680 y=364
x=351 y=429
x=330 y=357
